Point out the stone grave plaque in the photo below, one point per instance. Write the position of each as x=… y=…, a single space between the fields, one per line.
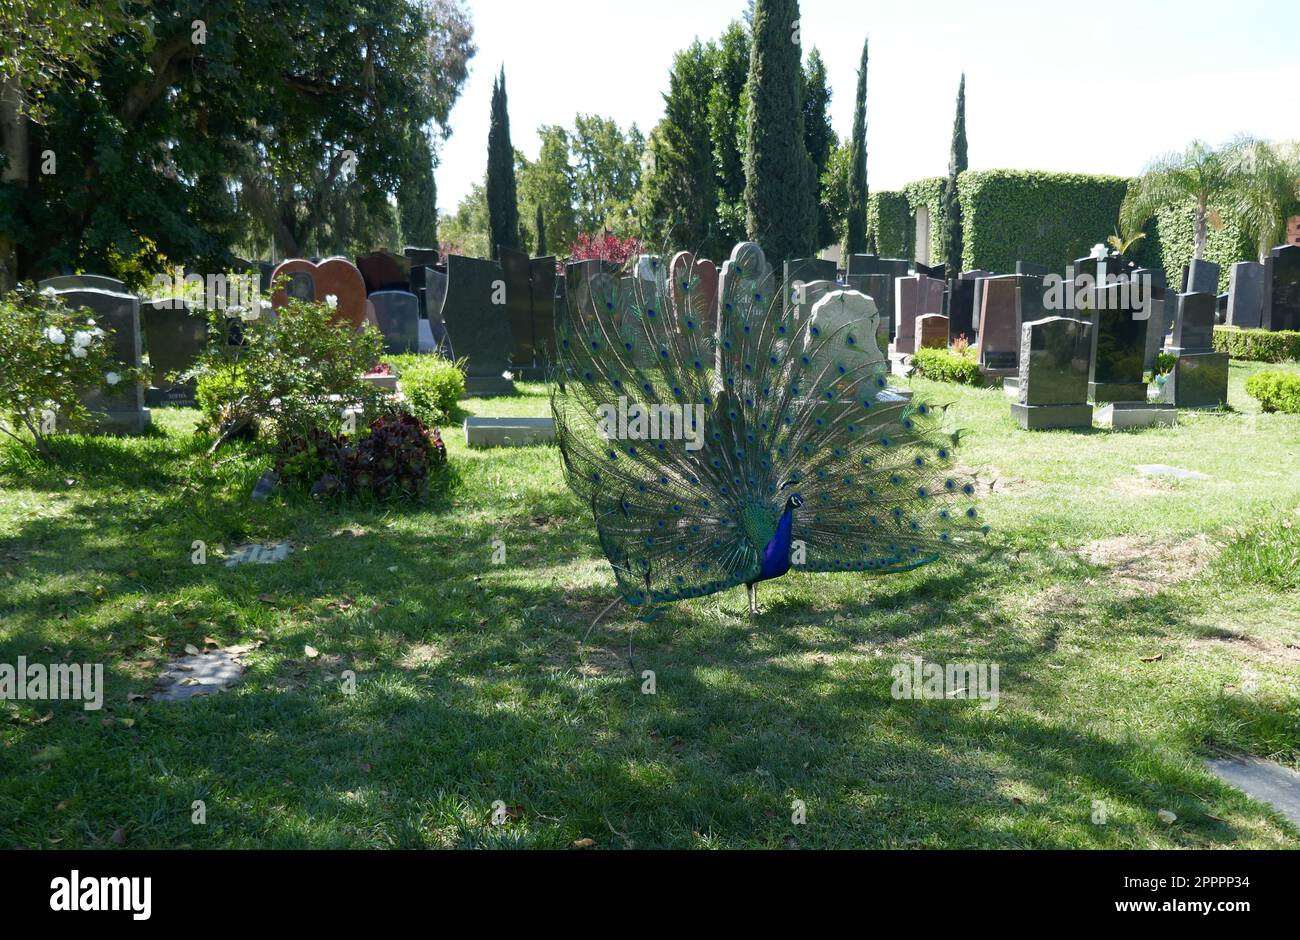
x=175 y=333
x=541 y=285
x=479 y=327
x=1053 y=374
x=120 y=407
x=932 y=331
x=998 y=344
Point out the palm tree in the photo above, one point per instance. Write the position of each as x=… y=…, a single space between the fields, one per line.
x=1266 y=184
x=1199 y=173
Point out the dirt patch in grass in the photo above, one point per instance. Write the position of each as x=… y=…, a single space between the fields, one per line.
x=421 y=654
x=990 y=481
x=1148 y=566
x=1261 y=648
x=1141 y=487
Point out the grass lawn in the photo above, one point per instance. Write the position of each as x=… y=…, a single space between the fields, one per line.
x=1132 y=640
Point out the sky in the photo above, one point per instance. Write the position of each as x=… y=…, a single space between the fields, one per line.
x=1049 y=85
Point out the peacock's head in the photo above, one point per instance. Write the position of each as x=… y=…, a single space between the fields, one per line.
x=794 y=502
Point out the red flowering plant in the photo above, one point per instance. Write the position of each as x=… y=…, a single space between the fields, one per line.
x=605 y=247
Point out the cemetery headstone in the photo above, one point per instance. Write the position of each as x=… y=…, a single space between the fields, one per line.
x=398 y=315
x=1202 y=277
x=333 y=277
x=478 y=324
x=802 y=271
x=998 y=345
x=430 y=285
x=746 y=274
x=1282 y=289
x=1246 y=295
x=382 y=271
x=1160 y=319
x=1200 y=375
x=961 y=305
x=1116 y=378
x=542 y=286
x=83 y=282
x=1053 y=374
x=119 y=407
x=841 y=330
x=1034 y=270
x=937 y=272
x=932 y=331
x=694 y=291
x=422 y=256
x=914 y=297
x=174 y=336
x=519 y=305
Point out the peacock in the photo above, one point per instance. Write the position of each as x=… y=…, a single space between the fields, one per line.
x=726 y=428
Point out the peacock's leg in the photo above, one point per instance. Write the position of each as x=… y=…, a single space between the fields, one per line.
x=753 y=598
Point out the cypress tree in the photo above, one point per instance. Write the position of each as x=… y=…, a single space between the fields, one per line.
x=780 y=192
x=417 y=197
x=540 y=224
x=951 y=205
x=502 y=199
x=856 y=223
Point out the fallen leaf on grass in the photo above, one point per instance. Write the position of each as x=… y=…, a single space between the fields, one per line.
x=583 y=843
x=135 y=697
x=191 y=649
x=1167 y=817
x=311 y=652
x=1153 y=659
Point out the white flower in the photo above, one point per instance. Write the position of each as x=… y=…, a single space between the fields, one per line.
x=1099 y=250
x=98 y=333
x=508 y=376
x=81 y=339
x=331 y=301
x=112 y=378
x=79 y=352
x=234 y=310
x=248 y=316
x=48 y=292
x=55 y=335
x=264 y=304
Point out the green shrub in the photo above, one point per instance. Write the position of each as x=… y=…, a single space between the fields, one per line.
x=294 y=373
x=1165 y=363
x=945 y=365
x=1276 y=391
x=432 y=386
x=889 y=218
x=1258 y=345
x=927 y=192
x=50 y=359
x=1268 y=555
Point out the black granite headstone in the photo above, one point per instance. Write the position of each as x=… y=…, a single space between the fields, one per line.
x=1245 y=295
x=803 y=271
x=478 y=323
x=83 y=282
x=1194 y=324
x=1202 y=277
x=174 y=336
x=1282 y=290
x=1053 y=389
x=1119 y=341
x=542 y=281
x=519 y=305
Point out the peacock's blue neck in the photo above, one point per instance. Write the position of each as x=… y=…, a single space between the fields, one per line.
x=776 y=556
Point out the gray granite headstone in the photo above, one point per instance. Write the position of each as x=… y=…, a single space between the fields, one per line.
x=1282 y=289
x=541 y=285
x=120 y=407
x=1194 y=324
x=427 y=257
x=83 y=282
x=1199 y=378
x=477 y=325
x=398 y=314
x=430 y=285
x=175 y=333
x=1162 y=311
x=1053 y=388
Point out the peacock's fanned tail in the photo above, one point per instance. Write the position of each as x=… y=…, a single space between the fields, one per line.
x=726 y=397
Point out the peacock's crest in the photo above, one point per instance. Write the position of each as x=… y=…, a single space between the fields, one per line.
x=715 y=420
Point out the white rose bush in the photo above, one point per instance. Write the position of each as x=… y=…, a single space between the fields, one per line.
x=50 y=357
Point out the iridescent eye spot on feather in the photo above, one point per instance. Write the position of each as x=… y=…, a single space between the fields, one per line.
x=815 y=331
x=919 y=461
x=908 y=424
x=851 y=427
x=690 y=324
x=880 y=381
x=829 y=394
x=794 y=389
x=840 y=368
x=885 y=442
x=923 y=493
x=698 y=364
x=923 y=408
x=613 y=455
x=971 y=513
x=647 y=387
x=805 y=360
x=944 y=514
x=748 y=368
x=943 y=453
x=595 y=344
x=781 y=329
x=968 y=489
x=895 y=479
x=851 y=340
x=588 y=376
x=627 y=346
x=650 y=312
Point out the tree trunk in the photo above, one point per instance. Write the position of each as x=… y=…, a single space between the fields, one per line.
x=13 y=130
x=1202 y=229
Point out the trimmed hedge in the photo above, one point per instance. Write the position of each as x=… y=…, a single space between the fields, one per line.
x=1275 y=391
x=945 y=365
x=432 y=385
x=889 y=218
x=1258 y=345
x=927 y=192
x=1029 y=215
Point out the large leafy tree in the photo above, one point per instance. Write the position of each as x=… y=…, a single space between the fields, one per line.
x=820 y=138
x=951 y=205
x=226 y=123
x=547 y=184
x=680 y=194
x=780 y=189
x=856 y=218
x=607 y=169
x=502 y=191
